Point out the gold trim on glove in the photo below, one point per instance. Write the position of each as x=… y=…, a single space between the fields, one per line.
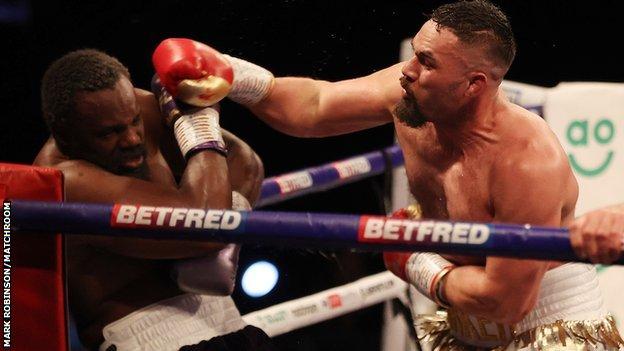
x=414 y=211
x=203 y=92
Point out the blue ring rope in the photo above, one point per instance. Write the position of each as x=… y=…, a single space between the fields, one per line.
x=367 y=233
x=327 y=176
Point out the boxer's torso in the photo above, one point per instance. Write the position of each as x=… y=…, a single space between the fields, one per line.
x=455 y=185
x=104 y=286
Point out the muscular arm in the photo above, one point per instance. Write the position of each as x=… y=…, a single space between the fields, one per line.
x=524 y=190
x=85 y=182
x=599 y=234
x=245 y=166
x=305 y=107
x=205 y=183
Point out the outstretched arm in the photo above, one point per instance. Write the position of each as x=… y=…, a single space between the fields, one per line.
x=313 y=108
x=297 y=106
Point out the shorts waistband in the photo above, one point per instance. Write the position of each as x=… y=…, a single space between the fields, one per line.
x=170 y=324
x=569 y=292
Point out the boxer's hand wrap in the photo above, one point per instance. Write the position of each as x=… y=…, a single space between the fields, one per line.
x=252 y=83
x=199 y=131
x=424 y=270
x=195 y=131
x=215 y=274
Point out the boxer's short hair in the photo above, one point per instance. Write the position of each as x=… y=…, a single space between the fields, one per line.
x=86 y=70
x=479 y=22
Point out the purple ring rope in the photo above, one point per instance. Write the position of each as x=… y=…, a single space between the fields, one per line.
x=327 y=176
x=370 y=233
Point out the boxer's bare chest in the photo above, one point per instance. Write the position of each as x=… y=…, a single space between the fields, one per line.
x=106 y=286
x=447 y=185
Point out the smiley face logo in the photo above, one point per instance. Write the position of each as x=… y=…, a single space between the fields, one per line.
x=578 y=135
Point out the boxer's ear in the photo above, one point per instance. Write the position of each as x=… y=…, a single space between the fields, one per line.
x=477 y=82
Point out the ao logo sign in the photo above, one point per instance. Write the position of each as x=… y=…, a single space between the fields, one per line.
x=582 y=133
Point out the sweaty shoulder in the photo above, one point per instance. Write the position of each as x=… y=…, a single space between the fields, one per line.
x=527 y=139
x=532 y=166
x=51 y=156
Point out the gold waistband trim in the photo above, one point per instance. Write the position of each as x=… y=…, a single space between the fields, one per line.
x=435 y=329
x=560 y=333
x=477 y=330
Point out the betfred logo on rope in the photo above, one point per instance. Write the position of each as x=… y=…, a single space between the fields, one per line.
x=150 y=216
x=388 y=230
x=294 y=181
x=352 y=167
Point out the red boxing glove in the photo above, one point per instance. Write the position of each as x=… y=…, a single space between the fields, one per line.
x=193 y=72
x=424 y=270
x=395 y=260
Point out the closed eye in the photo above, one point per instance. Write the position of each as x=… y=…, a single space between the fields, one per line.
x=425 y=60
x=136 y=120
x=105 y=133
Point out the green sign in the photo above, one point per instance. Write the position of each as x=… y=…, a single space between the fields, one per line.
x=579 y=133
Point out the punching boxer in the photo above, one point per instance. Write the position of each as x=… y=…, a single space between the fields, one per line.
x=599 y=235
x=470 y=155
x=111 y=143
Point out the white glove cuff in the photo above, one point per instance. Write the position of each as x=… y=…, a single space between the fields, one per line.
x=424 y=270
x=199 y=131
x=252 y=83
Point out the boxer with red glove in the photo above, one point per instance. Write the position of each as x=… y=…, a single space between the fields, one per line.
x=424 y=270
x=201 y=76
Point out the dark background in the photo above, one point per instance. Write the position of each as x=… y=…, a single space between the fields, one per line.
x=557 y=41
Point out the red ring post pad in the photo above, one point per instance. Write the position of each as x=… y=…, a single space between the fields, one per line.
x=327 y=176
x=367 y=233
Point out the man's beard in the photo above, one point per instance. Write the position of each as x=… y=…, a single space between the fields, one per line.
x=408 y=113
x=407 y=110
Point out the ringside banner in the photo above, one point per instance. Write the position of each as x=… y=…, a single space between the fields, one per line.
x=588 y=119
